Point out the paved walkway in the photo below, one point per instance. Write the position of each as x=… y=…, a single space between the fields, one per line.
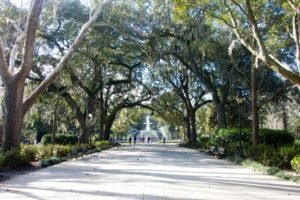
x=147 y=172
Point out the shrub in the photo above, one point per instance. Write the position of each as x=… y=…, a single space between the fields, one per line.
x=18 y=157
x=296 y=164
x=29 y=152
x=263 y=154
x=45 y=152
x=13 y=159
x=287 y=153
x=62 y=139
x=275 y=138
x=61 y=150
x=273 y=170
x=50 y=161
x=45 y=163
x=103 y=144
x=297 y=145
x=226 y=136
x=205 y=142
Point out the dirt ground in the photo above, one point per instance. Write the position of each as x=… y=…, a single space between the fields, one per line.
x=7 y=173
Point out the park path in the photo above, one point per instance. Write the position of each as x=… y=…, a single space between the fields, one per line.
x=151 y=172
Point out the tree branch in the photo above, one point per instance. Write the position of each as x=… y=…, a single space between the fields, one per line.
x=297 y=38
x=29 y=101
x=31 y=29
x=3 y=66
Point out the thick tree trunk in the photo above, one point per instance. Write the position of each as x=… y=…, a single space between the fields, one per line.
x=255 y=116
x=84 y=132
x=284 y=118
x=193 y=127
x=188 y=129
x=221 y=114
x=108 y=126
x=13 y=121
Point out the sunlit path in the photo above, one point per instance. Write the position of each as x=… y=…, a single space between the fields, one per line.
x=153 y=171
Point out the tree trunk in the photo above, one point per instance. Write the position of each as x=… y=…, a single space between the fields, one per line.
x=284 y=118
x=255 y=117
x=13 y=121
x=188 y=129
x=102 y=115
x=193 y=127
x=54 y=123
x=84 y=132
x=108 y=125
x=221 y=114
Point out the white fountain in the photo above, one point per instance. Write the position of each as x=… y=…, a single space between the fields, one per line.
x=148 y=132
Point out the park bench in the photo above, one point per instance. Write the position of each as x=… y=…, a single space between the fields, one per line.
x=216 y=151
x=220 y=152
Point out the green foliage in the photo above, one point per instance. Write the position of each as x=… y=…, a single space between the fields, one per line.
x=14 y=159
x=226 y=136
x=62 y=139
x=287 y=153
x=263 y=154
x=296 y=164
x=45 y=152
x=50 y=161
x=297 y=144
x=205 y=142
x=268 y=170
x=275 y=138
x=273 y=170
x=18 y=157
x=61 y=150
x=103 y=144
x=29 y=152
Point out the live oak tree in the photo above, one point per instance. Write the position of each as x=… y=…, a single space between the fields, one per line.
x=14 y=75
x=249 y=20
x=186 y=86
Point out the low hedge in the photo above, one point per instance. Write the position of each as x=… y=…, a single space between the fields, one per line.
x=226 y=136
x=62 y=139
x=275 y=138
x=264 y=154
x=16 y=158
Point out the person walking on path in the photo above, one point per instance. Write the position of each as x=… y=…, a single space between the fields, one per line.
x=134 y=140
x=129 y=140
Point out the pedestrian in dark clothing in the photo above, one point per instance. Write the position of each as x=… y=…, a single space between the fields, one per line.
x=129 y=140
x=134 y=140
